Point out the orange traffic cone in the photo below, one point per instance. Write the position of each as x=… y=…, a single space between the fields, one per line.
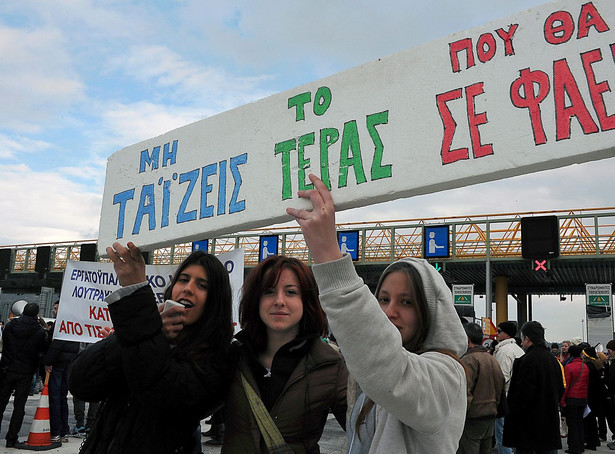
x=40 y=436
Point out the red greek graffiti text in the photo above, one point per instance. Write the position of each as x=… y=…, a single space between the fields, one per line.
x=524 y=95
x=565 y=85
x=475 y=119
x=486 y=47
x=559 y=26
x=597 y=89
x=531 y=88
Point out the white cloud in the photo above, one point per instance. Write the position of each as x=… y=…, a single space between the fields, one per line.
x=13 y=147
x=126 y=124
x=178 y=80
x=37 y=79
x=45 y=207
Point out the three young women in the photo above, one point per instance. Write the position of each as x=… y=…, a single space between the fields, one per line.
x=401 y=347
x=159 y=374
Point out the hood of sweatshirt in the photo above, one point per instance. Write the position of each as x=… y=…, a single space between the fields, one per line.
x=445 y=330
x=24 y=326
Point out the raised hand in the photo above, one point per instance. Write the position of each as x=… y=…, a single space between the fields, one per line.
x=128 y=263
x=318 y=224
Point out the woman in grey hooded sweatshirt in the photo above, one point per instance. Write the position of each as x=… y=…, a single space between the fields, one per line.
x=401 y=347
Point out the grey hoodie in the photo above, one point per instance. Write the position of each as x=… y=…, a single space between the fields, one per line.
x=420 y=399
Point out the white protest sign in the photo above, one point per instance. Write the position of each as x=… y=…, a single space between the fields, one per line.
x=526 y=93
x=234 y=263
x=83 y=312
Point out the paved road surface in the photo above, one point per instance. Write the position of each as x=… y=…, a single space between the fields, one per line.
x=330 y=443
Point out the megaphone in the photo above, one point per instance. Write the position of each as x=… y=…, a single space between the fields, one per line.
x=18 y=307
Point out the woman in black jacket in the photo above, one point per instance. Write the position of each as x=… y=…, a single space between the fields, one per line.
x=158 y=374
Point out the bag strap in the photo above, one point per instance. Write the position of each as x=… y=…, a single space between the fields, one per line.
x=270 y=432
x=579 y=376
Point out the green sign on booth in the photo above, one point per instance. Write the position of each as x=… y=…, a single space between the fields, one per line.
x=598 y=294
x=463 y=294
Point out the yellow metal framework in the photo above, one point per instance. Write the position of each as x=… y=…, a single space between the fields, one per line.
x=587 y=232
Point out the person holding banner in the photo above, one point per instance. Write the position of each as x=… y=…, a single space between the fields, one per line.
x=402 y=346
x=287 y=378
x=158 y=374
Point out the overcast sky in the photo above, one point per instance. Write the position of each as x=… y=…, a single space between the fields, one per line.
x=81 y=79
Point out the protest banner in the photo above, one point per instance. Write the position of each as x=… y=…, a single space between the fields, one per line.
x=526 y=93
x=83 y=312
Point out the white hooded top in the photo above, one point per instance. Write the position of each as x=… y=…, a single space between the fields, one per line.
x=420 y=399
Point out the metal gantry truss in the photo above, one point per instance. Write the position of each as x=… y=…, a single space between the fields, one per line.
x=584 y=232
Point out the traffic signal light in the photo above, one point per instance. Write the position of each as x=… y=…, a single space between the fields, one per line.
x=539 y=265
x=540 y=237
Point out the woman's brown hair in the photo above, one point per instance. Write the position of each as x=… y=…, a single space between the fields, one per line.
x=265 y=276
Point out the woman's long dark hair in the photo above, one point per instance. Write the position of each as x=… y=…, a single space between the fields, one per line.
x=213 y=331
x=265 y=276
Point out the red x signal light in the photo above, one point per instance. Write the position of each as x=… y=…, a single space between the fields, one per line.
x=540 y=265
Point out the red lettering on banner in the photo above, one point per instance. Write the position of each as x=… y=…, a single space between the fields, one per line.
x=450 y=125
x=486 y=47
x=568 y=99
x=564 y=85
x=507 y=37
x=485 y=54
x=476 y=119
x=530 y=99
x=590 y=17
x=99 y=313
x=458 y=46
x=596 y=89
x=559 y=26
x=71 y=328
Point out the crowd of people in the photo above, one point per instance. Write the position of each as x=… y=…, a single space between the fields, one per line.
x=31 y=355
x=398 y=368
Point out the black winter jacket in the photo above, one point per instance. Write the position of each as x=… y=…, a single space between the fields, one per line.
x=24 y=341
x=60 y=352
x=536 y=389
x=152 y=400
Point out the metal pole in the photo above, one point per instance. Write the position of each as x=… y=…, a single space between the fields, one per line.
x=488 y=308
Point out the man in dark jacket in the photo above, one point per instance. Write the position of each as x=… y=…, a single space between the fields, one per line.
x=24 y=341
x=57 y=359
x=485 y=386
x=536 y=388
